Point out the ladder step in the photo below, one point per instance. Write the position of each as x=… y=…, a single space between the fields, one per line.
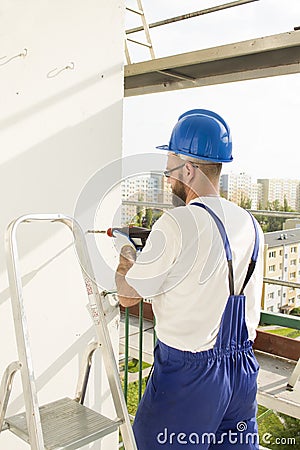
x=66 y=424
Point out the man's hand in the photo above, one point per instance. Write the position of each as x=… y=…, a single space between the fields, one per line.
x=121 y=240
x=127 y=295
x=127 y=259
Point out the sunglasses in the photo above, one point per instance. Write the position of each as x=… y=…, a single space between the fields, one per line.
x=167 y=172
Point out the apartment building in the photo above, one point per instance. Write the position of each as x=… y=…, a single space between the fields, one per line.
x=282 y=262
x=256 y=193
x=150 y=187
x=239 y=187
x=279 y=189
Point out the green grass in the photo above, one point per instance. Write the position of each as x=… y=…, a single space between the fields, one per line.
x=288 y=332
x=133 y=366
x=280 y=428
x=132 y=399
x=132 y=393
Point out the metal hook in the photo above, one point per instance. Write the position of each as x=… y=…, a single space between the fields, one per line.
x=23 y=54
x=54 y=72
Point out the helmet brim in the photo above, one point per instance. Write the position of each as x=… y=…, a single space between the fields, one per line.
x=203 y=158
x=163 y=147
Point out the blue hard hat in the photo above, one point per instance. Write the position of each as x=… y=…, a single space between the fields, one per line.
x=201 y=134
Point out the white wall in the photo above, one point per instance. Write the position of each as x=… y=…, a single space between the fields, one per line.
x=54 y=134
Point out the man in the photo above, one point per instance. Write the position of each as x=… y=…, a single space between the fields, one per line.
x=202 y=266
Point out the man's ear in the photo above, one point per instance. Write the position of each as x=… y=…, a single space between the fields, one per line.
x=190 y=170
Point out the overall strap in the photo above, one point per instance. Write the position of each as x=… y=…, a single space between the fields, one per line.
x=226 y=244
x=254 y=256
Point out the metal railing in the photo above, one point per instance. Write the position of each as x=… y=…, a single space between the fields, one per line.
x=255 y=212
x=266 y=318
x=190 y=15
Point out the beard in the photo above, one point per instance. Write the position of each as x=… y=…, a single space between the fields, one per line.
x=179 y=194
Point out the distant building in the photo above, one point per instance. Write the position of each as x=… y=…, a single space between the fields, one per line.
x=279 y=189
x=282 y=262
x=239 y=187
x=166 y=191
x=256 y=192
x=151 y=188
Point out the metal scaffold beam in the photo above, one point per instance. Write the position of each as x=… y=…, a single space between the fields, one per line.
x=255 y=58
x=191 y=15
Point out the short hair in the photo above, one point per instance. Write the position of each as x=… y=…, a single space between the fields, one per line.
x=211 y=170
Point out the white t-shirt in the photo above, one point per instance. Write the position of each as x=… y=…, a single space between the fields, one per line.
x=183 y=268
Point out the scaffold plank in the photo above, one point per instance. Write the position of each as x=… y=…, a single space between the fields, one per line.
x=256 y=58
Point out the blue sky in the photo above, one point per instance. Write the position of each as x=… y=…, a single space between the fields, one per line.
x=263 y=114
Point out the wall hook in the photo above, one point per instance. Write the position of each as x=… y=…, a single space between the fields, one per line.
x=22 y=54
x=54 y=72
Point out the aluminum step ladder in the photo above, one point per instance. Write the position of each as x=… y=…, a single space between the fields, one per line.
x=65 y=423
x=139 y=11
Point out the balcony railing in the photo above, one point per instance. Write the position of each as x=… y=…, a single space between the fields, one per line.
x=277 y=356
x=255 y=212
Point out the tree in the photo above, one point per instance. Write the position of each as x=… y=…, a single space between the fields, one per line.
x=245 y=202
x=139 y=211
x=148 y=218
x=295 y=311
x=262 y=220
x=156 y=215
x=275 y=223
x=286 y=206
x=139 y=218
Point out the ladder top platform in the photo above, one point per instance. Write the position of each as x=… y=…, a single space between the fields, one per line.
x=66 y=424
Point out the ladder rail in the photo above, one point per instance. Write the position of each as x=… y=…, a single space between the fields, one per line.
x=98 y=316
x=84 y=372
x=144 y=27
x=99 y=320
x=33 y=418
x=5 y=388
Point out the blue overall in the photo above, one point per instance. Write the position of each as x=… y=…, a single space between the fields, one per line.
x=205 y=399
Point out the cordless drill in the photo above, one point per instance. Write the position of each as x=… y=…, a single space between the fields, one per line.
x=138 y=235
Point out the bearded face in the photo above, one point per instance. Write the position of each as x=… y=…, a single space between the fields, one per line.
x=179 y=193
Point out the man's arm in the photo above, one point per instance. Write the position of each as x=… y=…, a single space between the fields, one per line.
x=128 y=296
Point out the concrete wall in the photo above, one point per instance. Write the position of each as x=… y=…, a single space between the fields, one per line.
x=55 y=132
